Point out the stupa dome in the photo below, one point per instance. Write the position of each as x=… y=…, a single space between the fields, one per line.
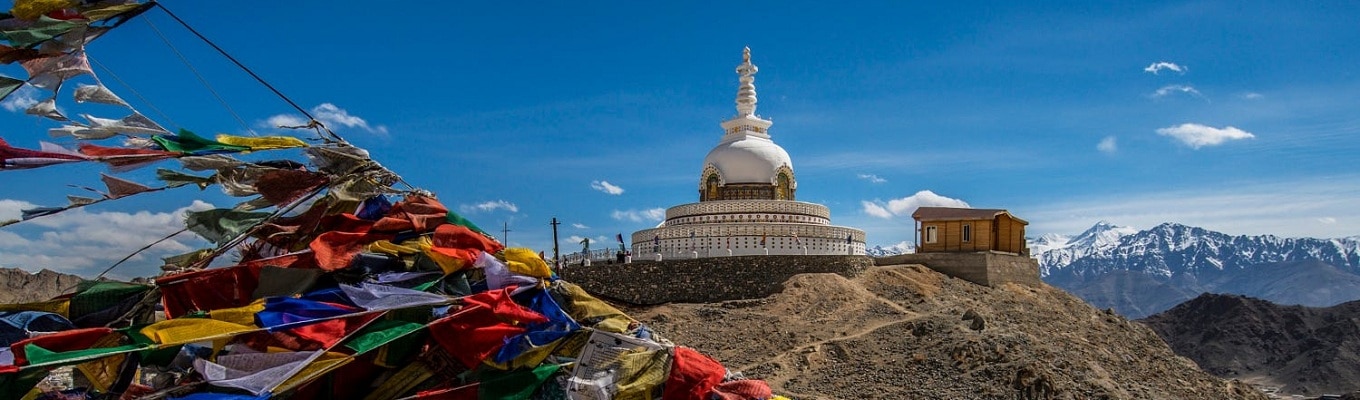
x=748 y=159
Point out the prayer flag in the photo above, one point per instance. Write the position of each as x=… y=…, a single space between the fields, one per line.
x=188 y=142
x=223 y=224
x=17 y=158
x=693 y=375
x=382 y=297
x=261 y=143
x=98 y=94
x=9 y=85
x=482 y=326
x=254 y=372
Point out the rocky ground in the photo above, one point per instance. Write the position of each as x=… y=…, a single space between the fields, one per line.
x=908 y=332
x=1291 y=350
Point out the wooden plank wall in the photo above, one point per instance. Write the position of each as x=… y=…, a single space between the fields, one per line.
x=1001 y=234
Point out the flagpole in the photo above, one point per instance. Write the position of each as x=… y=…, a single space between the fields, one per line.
x=557 y=257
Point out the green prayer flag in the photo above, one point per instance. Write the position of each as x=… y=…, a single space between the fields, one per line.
x=223 y=224
x=174 y=178
x=188 y=142
x=456 y=219
x=9 y=85
x=40 y=356
x=187 y=259
x=513 y=385
x=16 y=385
x=94 y=296
x=42 y=30
x=380 y=333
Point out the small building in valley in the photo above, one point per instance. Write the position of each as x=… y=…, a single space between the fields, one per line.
x=962 y=230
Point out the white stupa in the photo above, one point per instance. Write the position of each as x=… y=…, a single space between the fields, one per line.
x=746 y=199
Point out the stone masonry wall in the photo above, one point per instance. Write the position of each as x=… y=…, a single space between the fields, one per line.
x=983 y=268
x=705 y=280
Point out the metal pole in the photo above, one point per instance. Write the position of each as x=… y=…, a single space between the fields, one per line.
x=557 y=257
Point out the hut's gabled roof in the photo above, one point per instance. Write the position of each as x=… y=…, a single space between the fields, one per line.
x=960 y=214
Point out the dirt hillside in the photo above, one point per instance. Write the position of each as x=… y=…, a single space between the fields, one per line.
x=906 y=332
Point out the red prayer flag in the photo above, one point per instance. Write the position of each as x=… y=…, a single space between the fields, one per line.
x=348 y=236
x=693 y=375
x=418 y=213
x=209 y=289
x=462 y=243
x=742 y=390
x=480 y=329
x=71 y=340
x=466 y=392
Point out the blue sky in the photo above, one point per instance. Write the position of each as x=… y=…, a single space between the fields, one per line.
x=1234 y=116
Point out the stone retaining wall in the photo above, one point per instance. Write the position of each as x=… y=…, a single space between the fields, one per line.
x=705 y=280
x=983 y=268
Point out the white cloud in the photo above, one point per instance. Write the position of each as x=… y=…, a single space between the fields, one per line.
x=13 y=209
x=1327 y=220
x=1173 y=89
x=1196 y=135
x=1108 y=145
x=329 y=114
x=1253 y=96
x=285 y=120
x=23 y=98
x=872 y=178
x=84 y=243
x=651 y=214
x=876 y=210
x=1163 y=65
x=488 y=206
x=605 y=186
x=578 y=225
x=907 y=205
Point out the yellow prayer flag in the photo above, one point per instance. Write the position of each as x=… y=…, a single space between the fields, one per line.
x=585 y=307
x=446 y=263
x=526 y=262
x=327 y=362
x=189 y=330
x=403 y=381
x=56 y=306
x=262 y=143
x=387 y=247
x=103 y=371
x=640 y=375
x=244 y=315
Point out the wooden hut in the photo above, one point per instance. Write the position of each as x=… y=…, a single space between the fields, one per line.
x=944 y=229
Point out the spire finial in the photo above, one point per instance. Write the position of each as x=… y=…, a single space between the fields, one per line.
x=746 y=93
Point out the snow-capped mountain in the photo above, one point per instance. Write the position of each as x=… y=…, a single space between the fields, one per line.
x=1057 y=250
x=891 y=250
x=1171 y=250
x=1179 y=260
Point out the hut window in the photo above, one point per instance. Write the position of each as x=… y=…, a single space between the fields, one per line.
x=931 y=234
x=967 y=233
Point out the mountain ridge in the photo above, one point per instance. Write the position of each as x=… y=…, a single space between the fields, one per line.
x=1174 y=262
x=1300 y=350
